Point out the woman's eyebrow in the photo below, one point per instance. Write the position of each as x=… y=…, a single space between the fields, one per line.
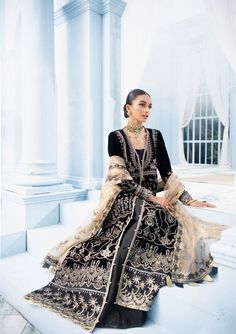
x=142 y=101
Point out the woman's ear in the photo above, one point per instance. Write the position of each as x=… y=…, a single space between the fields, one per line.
x=128 y=109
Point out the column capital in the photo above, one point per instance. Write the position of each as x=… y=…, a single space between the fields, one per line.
x=116 y=7
x=77 y=7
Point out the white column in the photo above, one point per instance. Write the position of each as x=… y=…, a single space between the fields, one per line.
x=37 y=166
x=31 y=198
x=111 y=47
x=88 y=86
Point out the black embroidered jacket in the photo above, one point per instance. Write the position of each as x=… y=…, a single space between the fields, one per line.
x=143 y=171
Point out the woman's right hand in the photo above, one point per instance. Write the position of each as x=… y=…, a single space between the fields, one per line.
x=163 y=202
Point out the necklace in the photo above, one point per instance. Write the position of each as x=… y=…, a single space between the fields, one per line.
x=140 y=161
x=135 y=130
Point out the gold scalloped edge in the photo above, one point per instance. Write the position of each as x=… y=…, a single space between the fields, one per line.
x=63 y=315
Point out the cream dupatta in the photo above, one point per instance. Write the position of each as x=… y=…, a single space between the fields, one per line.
x=191 y=253
x=192 y=258
x=117 y=173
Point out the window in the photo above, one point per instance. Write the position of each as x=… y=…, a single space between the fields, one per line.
x=203 y=136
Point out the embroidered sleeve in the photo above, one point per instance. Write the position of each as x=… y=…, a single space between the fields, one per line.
x=185 y=197
x=163 y=161
x=114 y=148
x=164 y=166
x=136 y=189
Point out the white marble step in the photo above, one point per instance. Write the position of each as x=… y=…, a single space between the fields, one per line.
x=78 y=213
x=72 y=215
x=21 y=274
x=185 y=310
x=41 y=240
x=195 y=310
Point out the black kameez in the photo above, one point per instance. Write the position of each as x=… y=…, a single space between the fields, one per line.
x=111 y=279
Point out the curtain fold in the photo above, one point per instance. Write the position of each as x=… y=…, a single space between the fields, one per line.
x=188 y=82
x=222 y=17
x=205 y=64
x=216 y=72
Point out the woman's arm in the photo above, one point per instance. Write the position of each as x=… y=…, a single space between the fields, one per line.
x=164 y=167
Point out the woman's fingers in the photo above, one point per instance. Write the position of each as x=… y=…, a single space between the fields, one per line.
x=165 y=204
x=209 y=205
x=168 y=206
x=202 y=204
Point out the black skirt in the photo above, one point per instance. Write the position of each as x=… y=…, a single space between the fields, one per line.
x=113 y=315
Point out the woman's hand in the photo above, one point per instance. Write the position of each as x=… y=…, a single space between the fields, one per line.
x=201 y=204
x=163 y=202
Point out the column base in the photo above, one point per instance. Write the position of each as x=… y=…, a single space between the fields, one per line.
x=24 y=212
x=36 y=190
x=85 y=183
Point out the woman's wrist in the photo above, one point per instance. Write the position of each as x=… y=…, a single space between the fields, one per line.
x=191 y=201
x=151 y=198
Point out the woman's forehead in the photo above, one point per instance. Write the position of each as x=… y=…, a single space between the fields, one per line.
x=144 y=98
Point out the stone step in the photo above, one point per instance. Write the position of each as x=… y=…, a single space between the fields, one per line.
x=72 y=215
x=78 y=213
x=195 y=310
x=185 y=310
x=22 y=273
x=41 y=240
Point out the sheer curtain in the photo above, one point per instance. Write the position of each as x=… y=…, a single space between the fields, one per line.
x=204 y=61
x=188 y=81
x=216 y=73
x=222 y=16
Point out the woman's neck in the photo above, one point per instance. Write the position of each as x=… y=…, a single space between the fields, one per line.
x=133 y=124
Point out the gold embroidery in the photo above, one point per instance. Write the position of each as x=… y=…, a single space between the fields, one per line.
x=81 y=307
x=139 y=288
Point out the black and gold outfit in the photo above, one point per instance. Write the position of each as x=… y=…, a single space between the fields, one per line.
x=109 y=273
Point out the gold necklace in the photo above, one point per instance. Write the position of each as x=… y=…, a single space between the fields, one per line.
x=136 y=130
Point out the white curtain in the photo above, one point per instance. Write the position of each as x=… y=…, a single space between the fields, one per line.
x=188 y=81
x=222 y=16
x=198 y=63
x=216 y=72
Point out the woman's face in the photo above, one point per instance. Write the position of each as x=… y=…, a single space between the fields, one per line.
x=140 y=108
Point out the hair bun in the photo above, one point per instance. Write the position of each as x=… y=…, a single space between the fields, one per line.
x=125 y=111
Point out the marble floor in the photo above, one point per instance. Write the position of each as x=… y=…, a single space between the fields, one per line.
x=12 y=322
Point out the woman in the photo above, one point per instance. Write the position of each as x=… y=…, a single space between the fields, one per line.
x=109 y=272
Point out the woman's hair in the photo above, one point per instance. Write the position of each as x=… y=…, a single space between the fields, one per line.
x=131 y=97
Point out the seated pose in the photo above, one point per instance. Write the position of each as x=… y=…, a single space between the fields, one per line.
x=108 y=272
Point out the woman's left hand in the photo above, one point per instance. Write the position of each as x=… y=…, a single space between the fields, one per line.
x=200 y=204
